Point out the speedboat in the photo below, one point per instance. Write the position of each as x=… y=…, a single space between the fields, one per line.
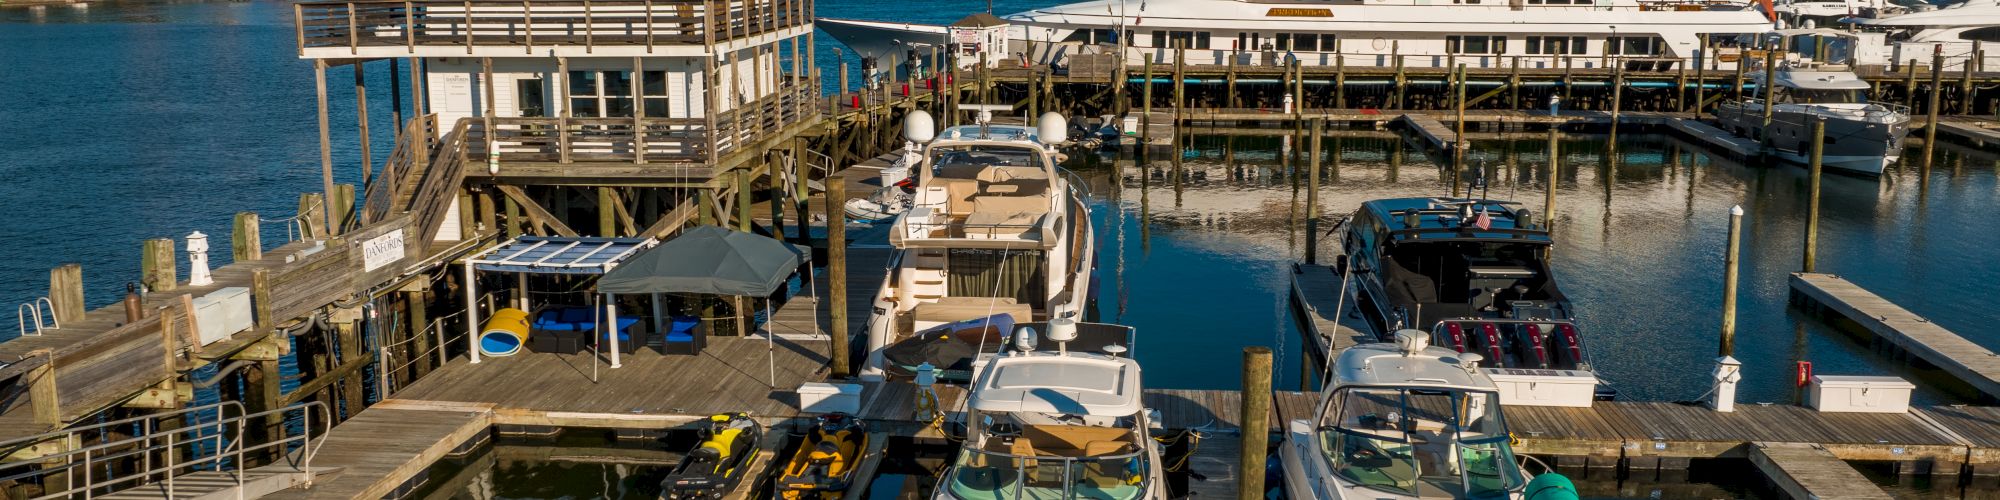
x=1478 y=33
x=995 y=236
x=1472 y=272
x=728 y=445
x=1405 y=420
x=1056 y=425
x=1861 y=137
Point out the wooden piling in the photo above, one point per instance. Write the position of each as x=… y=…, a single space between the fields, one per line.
x=1910 y=84
x=42 y=389
x=1339 y=76
x=1931 y=109
x=245 y=238
x=1728 y=345
x=836 y=271
x=156 y=266
x=1312 y=192
x=343 y=208
x=1146 y=103
x=66 y=292
x=1812 y=196
x=743 y=200
x=418 y=306
x=1700 y=82
x=1549 y=183
x=1256 y=423
x=1618 y=94
x=325 y=143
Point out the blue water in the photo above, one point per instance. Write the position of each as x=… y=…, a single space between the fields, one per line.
x=140 y=119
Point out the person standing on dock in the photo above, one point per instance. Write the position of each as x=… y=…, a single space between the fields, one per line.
x=1555 y=104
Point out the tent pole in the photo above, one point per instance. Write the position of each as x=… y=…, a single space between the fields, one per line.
x=770 y=345
x=471 y=314
x=659 y=319
x=521 y=298
x=611 y=326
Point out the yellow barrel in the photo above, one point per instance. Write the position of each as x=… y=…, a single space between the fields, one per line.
x=504 y=333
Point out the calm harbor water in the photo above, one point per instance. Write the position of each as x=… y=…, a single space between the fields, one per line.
x=132 y=120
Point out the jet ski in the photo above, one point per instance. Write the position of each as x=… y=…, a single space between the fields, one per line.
x=712 y=468
x=824 y=465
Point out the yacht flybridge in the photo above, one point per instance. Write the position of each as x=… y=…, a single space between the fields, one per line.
x=995 y=236
x=1056 y=425
x=1404 y=420
x=1479 y=33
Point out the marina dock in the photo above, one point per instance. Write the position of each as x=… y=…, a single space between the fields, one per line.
x=1902 y=329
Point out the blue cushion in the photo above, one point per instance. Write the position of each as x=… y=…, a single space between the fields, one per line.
x=680 y=337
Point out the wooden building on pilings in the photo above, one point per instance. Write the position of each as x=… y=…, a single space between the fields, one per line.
x=538 y=116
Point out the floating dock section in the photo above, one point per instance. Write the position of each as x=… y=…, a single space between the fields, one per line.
x=1969 y=362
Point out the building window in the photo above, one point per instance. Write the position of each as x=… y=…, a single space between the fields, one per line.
x=608 y=94
x=1558 y=45
x=1637 y=46
x=530 y=98
x=1475 y=44
x=1465 y=1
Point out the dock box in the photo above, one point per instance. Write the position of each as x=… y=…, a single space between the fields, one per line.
x=819 y=397
x=1859 y=394
x=1535 y=387
x=222 y=313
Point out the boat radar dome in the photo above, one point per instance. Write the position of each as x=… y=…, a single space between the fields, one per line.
x=1411 y=341
x=1024 y=339
x=1053 y=129
x=1061 y=331
x=918 y=127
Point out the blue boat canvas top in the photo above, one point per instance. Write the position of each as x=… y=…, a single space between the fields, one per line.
x=559 y=255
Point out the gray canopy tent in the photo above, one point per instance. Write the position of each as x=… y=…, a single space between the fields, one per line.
x=709 y=260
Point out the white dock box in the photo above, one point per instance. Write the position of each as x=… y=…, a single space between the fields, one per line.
x=1859 y=394
x=819 y=397
x=222 y=313
x=1535 y=387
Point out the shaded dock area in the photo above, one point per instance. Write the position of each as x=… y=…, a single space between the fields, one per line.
x=1318 y=310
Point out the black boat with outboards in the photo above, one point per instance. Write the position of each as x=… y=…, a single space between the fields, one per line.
x=1473 y=272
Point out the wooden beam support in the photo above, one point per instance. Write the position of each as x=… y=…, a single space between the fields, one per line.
x=536 y=213
x=66 y=292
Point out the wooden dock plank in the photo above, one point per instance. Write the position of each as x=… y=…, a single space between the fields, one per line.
x=1807 y=471
x=1704 y=133
x=1968 y=361
x=381 y=448
x=1433 y=131
x=1316 y=301
x=1215 y=458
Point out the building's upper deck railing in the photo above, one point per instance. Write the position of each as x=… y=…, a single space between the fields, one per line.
x=377 y=28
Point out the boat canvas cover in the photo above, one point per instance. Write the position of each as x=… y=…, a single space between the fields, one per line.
x=707 y=260
x=558 y=255
x=1821 y=80
x=1074 y=384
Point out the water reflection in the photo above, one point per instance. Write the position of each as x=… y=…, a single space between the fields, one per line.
x=1640 y=220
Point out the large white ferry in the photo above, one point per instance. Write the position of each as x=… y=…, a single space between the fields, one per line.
x=1477 y=33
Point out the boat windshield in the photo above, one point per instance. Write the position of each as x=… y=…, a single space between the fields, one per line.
x=1053 y=461
x=985 y=155
x=1420 y=442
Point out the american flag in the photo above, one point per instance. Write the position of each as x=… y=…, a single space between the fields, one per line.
x=1482 y=220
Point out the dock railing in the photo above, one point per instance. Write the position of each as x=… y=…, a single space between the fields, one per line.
x=102 y=458
x=531 y=24
x=636 y=140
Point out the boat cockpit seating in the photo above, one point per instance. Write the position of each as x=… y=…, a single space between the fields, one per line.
x=954 y=309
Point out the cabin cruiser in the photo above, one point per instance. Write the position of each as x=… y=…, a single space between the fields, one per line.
x=995 y=236
x=1656 y=34
x=1915 y=36
x=1861 y=137
x=1473 y=273
x=1404 y=420
x=1056 y=425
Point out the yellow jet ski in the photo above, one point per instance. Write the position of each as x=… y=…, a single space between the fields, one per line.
x=824 y=465
x=712 y=468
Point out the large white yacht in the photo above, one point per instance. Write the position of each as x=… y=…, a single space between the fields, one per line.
x=1862 y=137
x=1951 y=30
x=1404 y=420
x=995 y=236
x=1054 y=425
x=1480 y=33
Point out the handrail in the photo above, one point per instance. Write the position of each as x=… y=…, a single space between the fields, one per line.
x=626 y=140
x=224 y=434
x=457 y=24
x=34 y=309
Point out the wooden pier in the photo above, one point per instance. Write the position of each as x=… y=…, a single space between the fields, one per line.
x=1807 y=471
x=1316 y=302
x=392 y=442
x=1963 y=359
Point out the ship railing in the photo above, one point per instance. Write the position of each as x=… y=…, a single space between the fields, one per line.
x=1714 y=59
x=158 y=449
x=532 y=24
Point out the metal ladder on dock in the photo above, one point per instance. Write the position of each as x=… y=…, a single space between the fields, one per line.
x=191 y=453
x=33 y=310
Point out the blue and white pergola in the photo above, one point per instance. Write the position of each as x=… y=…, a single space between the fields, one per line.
x=526 y=255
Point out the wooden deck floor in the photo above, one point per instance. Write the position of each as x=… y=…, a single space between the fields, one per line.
x=1316 y=305
x=1806 y=471
x=1963 y=359
x=379 y=449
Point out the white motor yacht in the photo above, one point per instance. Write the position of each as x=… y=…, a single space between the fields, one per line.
x=1056 y=425
x=1403 y=420
x=1477 y=33
x=1861 y=137
x=995 y=236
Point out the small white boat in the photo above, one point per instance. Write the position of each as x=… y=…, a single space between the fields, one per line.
x=890 y=200
x=1404 y=420
x=1056 y=425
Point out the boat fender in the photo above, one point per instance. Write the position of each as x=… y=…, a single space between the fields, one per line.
x=1550 y=486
